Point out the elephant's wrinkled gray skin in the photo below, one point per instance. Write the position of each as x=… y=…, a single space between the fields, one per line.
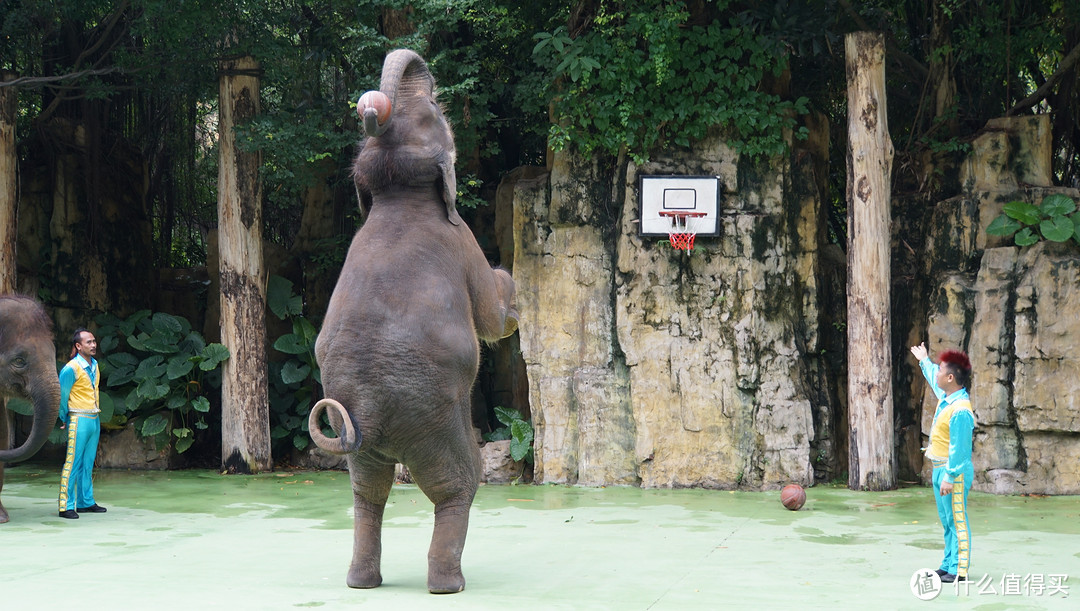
x=399 y=347
x=27 y=370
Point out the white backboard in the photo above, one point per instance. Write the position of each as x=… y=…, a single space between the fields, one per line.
x=678 y=193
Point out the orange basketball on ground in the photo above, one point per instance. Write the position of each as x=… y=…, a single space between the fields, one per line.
x=793 y=496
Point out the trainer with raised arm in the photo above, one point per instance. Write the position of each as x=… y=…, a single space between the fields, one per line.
x=950 y=453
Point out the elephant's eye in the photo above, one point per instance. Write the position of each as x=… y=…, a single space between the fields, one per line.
x=19 y=362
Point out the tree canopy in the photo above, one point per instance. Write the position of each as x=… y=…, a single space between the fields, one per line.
x=604 y=76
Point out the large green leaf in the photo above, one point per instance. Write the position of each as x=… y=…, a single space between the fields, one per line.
x=1026 y=237
x=154 y=424
x=120 y=360
x=290 y=343
x=1003 y=225
x=107 y=342
x=192 y=344
x=522 y=430
x=213 y=355
x=500 y=434
x=1024 y=212
x=21 y=406
x=506 y=415
x=294 y=372
x=167 y=324
x=179 y=366
x=300 y=441
x=280 y=299
x=1057 y=229
x=521 y=439
x=183 y=444
x=1076 y=226
x=105 y=404
x=303 y=328
x=153 y=367
x=138 y=342
x=1058 y=205
x=135 y=321
x=151 y=390
x=201 y=404
x=133 y=400
x=161 y=343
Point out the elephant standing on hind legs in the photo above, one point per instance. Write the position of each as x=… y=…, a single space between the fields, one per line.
x=399 y=347
x=28 y=371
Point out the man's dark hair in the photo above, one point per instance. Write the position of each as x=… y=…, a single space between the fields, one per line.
x=76 y=337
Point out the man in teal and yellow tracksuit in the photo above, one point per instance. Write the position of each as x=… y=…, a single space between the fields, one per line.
x=950 y=453
x=79 y=382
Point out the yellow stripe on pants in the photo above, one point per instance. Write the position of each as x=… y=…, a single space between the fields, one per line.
x=960 y=520
x=69 y=460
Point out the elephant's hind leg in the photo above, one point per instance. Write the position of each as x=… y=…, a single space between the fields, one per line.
x=371 y=483
x=450 y=482
x=447 y=543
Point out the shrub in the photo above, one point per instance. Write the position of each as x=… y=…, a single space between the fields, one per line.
x=168 y=370
x=296 y=382
x=517 y=430
x=1055 y=219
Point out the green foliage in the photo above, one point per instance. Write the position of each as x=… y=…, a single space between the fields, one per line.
x=295 y=383
x=162 y=380
x=517 y=430
x=643 y=77
x=1055 y=219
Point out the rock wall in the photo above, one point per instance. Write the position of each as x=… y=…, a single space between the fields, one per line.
x=650 y=367
x=1013 y=310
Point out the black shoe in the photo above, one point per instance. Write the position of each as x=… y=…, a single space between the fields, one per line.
x=69 y=514
x=949 y=578
x=941 y=572
x=95 y=508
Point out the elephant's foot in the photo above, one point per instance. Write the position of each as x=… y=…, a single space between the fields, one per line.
x=3 y=515
x=364 y=577
x=445 y=580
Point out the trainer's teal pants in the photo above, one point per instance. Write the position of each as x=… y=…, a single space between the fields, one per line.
x=952 y=510
x=76 y=478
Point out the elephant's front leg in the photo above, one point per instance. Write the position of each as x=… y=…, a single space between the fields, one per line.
x=3 y=445
x=444 y=556
x=371 y=487
x=493 y=305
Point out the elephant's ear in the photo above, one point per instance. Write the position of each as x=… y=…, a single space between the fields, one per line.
x=449 y=184
x=363 y=198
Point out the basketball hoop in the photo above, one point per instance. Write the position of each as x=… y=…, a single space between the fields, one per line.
x=681 y=233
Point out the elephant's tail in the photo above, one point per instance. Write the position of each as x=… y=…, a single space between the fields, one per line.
x=349 y=437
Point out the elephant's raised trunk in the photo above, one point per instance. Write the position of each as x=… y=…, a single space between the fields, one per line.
x=45 y=395
x=349 y=438
x=403 y=70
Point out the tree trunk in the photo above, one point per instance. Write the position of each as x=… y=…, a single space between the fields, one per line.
x=245 y=414
x=869 y=167
x=9 y=211
x=942 y=82
x=9 y=205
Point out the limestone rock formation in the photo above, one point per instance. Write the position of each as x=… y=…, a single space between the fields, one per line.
x=1013 y=310
x=650 y=367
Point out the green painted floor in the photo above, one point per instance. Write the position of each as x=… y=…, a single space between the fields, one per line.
x=197 y=539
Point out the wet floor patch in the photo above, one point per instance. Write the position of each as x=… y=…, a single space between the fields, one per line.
x=284 y=540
